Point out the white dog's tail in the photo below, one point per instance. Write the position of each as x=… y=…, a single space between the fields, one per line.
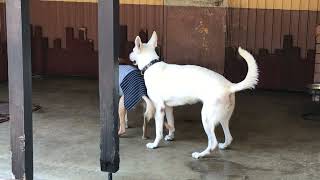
x=251 y=79
x=150 y=109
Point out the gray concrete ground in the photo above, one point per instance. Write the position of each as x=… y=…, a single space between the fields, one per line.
x=271 y=140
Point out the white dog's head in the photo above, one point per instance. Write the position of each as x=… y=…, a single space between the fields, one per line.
x=144 y=53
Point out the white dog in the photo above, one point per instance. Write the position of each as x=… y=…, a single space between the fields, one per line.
x=172 y=85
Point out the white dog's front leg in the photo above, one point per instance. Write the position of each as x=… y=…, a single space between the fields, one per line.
x=159 y=128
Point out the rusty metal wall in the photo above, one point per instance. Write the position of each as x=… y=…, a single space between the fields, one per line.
x=143 y=17
x=54 y=17
x=190 y=31
x=262 y=24
x=2 y=22
x=196 y=36
x=252 y=24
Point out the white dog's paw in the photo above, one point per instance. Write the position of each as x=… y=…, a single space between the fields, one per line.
x=169 y=137
x=222 y=146
x=151 y=146
x=196 y=155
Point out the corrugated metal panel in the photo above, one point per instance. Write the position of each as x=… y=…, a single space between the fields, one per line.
x=2 y=22
x=142 y=17
x=54 y=17
x=276 y=4
x=254 y=24
x=265 y=27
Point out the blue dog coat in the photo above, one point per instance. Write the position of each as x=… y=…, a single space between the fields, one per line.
x=131 y=85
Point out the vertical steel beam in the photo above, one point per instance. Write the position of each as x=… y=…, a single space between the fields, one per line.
x=20 y=90
x=108 y=27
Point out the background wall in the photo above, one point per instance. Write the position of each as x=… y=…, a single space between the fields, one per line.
x=191 y=32
x=54 y=16
x=252 y=24
x=185 y=28
x=256 y=24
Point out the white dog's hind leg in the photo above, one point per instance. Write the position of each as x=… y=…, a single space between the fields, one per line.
x=159 y=127
x=227 y=134
x=170 y=119
x=209 y=127
x=225 y=122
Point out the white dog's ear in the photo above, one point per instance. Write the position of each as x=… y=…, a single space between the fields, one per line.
x=153 y=40
x=138 y=43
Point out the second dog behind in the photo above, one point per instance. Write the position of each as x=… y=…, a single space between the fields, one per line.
x=147 y=116
x=132 y=90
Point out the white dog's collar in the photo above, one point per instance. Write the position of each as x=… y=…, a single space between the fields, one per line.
x=149 y=65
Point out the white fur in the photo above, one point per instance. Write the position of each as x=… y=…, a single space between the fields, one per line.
x=172 y=85
x=148 y=115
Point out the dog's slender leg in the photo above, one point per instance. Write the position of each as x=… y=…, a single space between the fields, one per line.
x=159 y=126
x=170 y=119
x=212 y=144
x=225 y=122
x=209 y=128
x=214 y=141
x=227 y=134
x=122 y=114
x=144 y=128
x=126 y=117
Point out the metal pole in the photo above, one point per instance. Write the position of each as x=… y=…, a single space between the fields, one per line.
x=20 y=91
x=108 y=26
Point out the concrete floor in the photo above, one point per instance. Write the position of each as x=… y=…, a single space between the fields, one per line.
x=271 y=140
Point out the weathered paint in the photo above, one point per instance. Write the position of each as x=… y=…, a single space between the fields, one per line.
x=199 y=39
x=196 y=3
x=247 y=26
x=265 y=28
x=317 y=60
x=141 y=2
x=252 y=24
x=306 y=5
x=202 y=3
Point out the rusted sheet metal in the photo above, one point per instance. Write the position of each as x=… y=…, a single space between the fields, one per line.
x=168 y=21
x=3 y=50
x=196 y=36
x=60 y=15
x=266 y=28
x=141 y=17
x=2 y=22
x=252 y=25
